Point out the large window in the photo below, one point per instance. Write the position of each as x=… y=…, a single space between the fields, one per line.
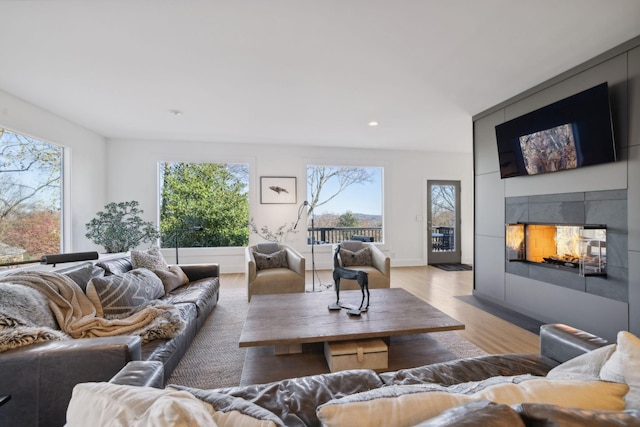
x=204 y=204
x=346 y=202
x=30 y=198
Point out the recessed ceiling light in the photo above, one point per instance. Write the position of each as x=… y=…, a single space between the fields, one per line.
x=175 y=113
x=373 y=123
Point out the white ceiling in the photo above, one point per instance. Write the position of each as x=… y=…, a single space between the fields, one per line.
x=296 y=71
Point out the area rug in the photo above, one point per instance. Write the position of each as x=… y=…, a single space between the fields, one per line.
x=214 y=359
x=453 y=267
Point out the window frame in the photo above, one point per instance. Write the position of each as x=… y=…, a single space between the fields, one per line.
x=355 y=165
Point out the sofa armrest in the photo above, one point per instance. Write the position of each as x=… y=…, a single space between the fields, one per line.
x=40 y=377
x=200 y=271
x=561 y=342
x=380 y=261
x=141 y=373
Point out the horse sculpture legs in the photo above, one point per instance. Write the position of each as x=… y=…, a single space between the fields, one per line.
x=360 y=276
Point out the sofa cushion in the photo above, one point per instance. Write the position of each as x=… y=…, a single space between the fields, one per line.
x=476 y=413
x=83 y=273
x=101 y=404
x=202 y=293
x=118 y=296
x=410 y=405
x=116 y=265
x=624 y=366
x=276 y=259
x=544 y=415
x=151 y=259
x=361 y=257
x=233 y=411
x=172 y=278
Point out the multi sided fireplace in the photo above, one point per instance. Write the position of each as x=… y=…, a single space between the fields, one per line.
x=574 y=247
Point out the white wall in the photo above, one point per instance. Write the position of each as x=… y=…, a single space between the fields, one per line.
x=132 y=171
x=84 y=183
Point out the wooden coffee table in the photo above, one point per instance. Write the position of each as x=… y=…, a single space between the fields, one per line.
x=286 y=321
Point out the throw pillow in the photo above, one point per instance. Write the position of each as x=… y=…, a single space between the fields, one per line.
x=151 y=259
x=99 y=404
x=82 y=275
x=624 y=366
x=24 y=306
x=361 y=257
x=118 y=296
x=584 y=367
x=274 y=260
x=172 y=278
x=412 y=404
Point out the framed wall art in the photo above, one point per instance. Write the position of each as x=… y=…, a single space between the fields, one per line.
x=277 y=189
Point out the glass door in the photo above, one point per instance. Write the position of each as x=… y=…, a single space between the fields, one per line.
x=443 y=222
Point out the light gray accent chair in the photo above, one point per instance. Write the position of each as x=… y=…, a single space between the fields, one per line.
x=274 y=280
x=379 y=271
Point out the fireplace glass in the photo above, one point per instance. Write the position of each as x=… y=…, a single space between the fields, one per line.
x=581 y=248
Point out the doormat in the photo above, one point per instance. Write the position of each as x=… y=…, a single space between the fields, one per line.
x=511 y=316
x=453 y=267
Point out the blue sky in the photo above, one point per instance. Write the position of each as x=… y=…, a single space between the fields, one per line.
x=359 y=198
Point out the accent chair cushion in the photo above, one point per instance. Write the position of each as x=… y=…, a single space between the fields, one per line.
x=274 y=260
x=359 y=258
x=267 y=247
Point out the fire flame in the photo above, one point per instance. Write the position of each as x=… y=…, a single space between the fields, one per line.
x=567 y=240
x=515 y=237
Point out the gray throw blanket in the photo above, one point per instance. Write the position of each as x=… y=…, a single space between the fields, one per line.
x=77 y=316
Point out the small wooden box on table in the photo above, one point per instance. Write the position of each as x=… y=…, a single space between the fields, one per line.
x=359 y=354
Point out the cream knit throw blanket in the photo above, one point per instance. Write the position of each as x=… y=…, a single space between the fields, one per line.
x=77 y=315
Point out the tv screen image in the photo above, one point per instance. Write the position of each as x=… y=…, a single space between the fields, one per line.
x=571 y=133
x=549 y=150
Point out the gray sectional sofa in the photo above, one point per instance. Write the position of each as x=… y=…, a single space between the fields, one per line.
x=304 y=401
x=40 y=376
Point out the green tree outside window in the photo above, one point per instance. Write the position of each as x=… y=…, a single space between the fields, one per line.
x=204 y=204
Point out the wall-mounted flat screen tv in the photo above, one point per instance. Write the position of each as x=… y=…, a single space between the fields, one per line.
x=574 y=132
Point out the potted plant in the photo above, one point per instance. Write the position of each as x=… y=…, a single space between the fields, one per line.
x=120 y=228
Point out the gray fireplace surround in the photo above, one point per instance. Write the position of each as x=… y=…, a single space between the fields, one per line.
x=596 y=207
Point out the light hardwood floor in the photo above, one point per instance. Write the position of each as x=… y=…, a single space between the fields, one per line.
x=439 y=288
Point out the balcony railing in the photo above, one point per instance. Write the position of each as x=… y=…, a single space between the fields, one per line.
x=330 y=235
